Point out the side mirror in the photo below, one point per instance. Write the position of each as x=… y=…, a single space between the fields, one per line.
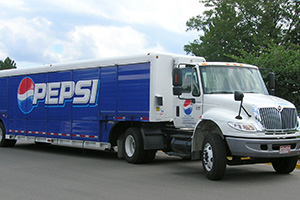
x=272 y=83
x=177 y=90
x=177 y=77
x=238 y=96
x=177 y=81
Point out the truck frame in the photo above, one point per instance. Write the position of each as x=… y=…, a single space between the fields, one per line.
x=182 y=105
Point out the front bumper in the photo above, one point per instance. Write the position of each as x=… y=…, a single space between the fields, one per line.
x=263 y=148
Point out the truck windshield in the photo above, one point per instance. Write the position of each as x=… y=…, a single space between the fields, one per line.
x=227 y=80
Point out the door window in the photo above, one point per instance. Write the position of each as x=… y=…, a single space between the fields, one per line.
x=190 y=81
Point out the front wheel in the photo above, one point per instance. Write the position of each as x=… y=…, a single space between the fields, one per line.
x=4 y=142
x=214 y=157
x=285 y=165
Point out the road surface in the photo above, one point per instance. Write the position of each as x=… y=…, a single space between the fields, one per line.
x=49 y=172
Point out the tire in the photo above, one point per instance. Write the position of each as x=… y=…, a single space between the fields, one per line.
x=214 y=158
x=133 y=146
x=285 y=165
x=4 y=142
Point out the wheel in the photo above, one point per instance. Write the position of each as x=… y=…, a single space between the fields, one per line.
x=133 y=146
x=285 y=165
x=4 y=142
x=214 y=157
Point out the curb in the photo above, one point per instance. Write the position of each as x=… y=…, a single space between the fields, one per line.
x=298 y=166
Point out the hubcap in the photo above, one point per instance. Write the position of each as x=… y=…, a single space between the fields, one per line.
x=129 y=145
x=208 y=159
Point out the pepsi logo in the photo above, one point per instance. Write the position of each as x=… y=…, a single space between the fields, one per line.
x=25 y=95
x=188 y=107
x=82 y=93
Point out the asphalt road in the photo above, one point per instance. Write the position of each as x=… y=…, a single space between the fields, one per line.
x=42 y=172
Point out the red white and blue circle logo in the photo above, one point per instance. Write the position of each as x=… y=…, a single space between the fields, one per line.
x=25 y=95
x=188 y=107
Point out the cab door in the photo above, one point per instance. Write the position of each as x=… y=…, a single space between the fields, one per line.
x=188 y=105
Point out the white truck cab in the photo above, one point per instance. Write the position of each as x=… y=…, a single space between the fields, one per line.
x=232 y=116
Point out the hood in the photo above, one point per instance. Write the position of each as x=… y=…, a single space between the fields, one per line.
x=266 y=101
x=250 y=101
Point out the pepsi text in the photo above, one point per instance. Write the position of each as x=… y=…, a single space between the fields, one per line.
x=58 y=92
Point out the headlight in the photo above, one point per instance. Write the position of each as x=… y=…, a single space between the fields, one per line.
x=242 y=127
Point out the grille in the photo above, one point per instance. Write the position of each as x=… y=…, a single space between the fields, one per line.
x=272 y=119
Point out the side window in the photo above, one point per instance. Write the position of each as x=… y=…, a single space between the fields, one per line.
x=190 y=82
x=195 y=85
x=186 y=80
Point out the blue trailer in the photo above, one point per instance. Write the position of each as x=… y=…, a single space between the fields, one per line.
x=90 y=104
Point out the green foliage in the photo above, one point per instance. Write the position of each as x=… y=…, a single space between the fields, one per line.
x=7 y=64
x=231 y=25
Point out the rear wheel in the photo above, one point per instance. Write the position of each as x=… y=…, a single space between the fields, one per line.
x=285 y=165
x=4 y=142
x=133 y=146
x=214 y=157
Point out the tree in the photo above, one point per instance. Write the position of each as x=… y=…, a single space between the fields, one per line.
x=232 y=25
x=7 y=64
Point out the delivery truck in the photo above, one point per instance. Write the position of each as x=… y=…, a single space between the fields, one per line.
x=218 y=112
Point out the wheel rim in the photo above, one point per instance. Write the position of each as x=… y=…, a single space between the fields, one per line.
x=129 y=145
x=208 y=159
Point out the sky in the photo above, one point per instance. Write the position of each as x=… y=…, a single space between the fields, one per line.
x=38 y=32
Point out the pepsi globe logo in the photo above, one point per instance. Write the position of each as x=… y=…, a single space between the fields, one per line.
x=25 y=95
x=188 y=107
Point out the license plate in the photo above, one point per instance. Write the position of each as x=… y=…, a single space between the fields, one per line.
x=285 y=149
